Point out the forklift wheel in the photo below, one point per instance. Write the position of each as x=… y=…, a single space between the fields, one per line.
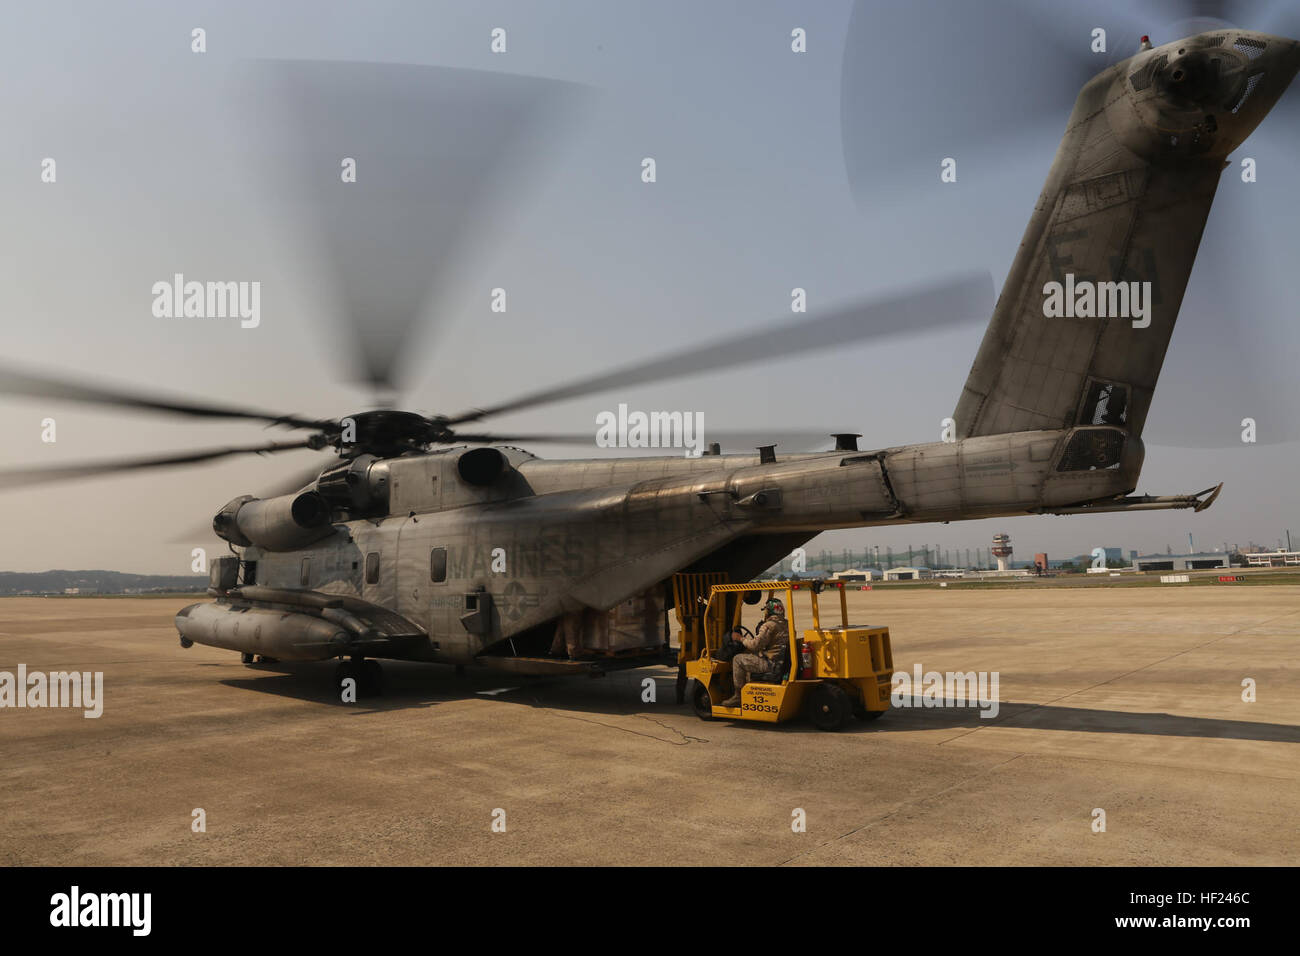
x=700 y=703
x=829 y=707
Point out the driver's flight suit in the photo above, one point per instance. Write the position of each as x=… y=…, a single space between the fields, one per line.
x=764 y=647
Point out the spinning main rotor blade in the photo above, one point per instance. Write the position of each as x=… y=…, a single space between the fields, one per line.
x=967 y=298
x=19 y=477
x=573 y=438
x=39 y=385
x=396 y=172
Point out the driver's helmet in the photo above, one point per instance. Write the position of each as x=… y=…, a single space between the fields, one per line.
x=775 y=608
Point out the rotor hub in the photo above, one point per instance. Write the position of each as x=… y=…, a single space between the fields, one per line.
x=386 y=432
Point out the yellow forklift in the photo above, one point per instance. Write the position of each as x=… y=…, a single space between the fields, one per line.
x=832 y=672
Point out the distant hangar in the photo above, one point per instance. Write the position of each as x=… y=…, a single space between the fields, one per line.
x=1200 y=561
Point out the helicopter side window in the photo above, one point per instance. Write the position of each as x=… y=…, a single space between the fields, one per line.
x=372 y=567
x=305 y=579
x=438 y=565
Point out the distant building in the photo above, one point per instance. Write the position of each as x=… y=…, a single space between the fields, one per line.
x=1040 y=562
x=1273 y=559
x=1002 y=550
x=1114 y=559
x=857 y=574
x=908 y=574
x=1180 y=562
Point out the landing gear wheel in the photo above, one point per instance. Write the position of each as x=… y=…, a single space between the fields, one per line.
x=700 y=703
x=829 y=707
x=246 y=657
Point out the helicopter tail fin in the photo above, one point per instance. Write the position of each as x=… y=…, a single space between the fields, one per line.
x=1080 y=330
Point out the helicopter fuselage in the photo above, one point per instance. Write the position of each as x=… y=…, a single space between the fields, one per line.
x=478 y=547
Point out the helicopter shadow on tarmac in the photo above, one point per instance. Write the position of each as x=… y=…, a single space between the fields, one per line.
x=1028 y=716
x=411 y=685
x=406 y=684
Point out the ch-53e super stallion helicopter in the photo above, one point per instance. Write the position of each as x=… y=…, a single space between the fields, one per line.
x=392 y=551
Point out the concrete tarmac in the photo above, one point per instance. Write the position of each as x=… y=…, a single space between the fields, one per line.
x=1125 y=701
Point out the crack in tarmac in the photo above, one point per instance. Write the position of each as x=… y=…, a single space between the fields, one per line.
x=685 y=741
x=686 y=738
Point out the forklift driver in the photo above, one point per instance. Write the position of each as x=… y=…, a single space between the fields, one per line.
x=764 y=648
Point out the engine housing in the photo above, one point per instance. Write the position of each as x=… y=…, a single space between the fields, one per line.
x=283 y=523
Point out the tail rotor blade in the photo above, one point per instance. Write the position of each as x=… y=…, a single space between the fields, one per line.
x=1228 y=359
x=1006 y=68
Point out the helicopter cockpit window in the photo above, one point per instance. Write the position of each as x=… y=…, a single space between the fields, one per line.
x=438 y=565
x=372 y=567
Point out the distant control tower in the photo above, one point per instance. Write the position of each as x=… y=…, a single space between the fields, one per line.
x=1002 y=550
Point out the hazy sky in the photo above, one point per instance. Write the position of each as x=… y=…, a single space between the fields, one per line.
x=170 y=161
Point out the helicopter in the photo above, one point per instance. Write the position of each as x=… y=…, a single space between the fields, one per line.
x=430 y=539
